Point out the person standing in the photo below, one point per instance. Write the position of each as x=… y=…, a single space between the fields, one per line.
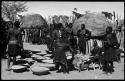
x=71 y=39
x=60 y=47
x=60 y=57
x=110 y=49
x=14 y=44
x=82 y=34
x=48 y=42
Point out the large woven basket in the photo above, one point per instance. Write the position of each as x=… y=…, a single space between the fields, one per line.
x=37 y=70
x=50 y=66
x=19 y=68
x=48 y=61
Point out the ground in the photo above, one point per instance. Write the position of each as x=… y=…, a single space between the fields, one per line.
x=83 y=75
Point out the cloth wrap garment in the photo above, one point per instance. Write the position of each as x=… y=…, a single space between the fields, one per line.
x=14 y=46
x=59 y=53
x=82 y=34
x=110 y=50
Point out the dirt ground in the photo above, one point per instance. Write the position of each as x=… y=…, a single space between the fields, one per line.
x=73 y=75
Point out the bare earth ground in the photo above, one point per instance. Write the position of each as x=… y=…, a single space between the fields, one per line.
x=83 y=75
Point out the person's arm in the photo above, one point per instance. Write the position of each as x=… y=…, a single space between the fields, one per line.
x=87 y=34
x=115 y=43
x=53 y=35
x=68 y=47
x=78 y=33
x=8 y=37
x=20 y=39
x=92 y=50
x=100 y=51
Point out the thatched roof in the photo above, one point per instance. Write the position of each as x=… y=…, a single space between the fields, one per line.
x=78 y=15
x=33 y=21
x=96 y=23
x=60 y=19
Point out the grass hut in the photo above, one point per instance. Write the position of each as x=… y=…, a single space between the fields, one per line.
x=94 y=22
x=33 y=21
x=34 y=25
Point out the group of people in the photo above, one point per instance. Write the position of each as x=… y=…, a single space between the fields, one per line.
x=64 y=40
x=61 y=39
x=33 y=35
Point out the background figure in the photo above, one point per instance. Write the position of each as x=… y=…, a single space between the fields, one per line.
x=82 y=34
x=71 y=39
x=23 y=34
x=49 y=42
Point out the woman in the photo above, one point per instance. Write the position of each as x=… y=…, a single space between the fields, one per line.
x=60 y=47
x=110 y=49
x=14 y=43
x=96 y=54
x=60 y=56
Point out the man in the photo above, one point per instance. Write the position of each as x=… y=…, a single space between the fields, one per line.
x=71 y=39
x=14 y=43
x=69 y=32
x=58 y=34
x=82 y=34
